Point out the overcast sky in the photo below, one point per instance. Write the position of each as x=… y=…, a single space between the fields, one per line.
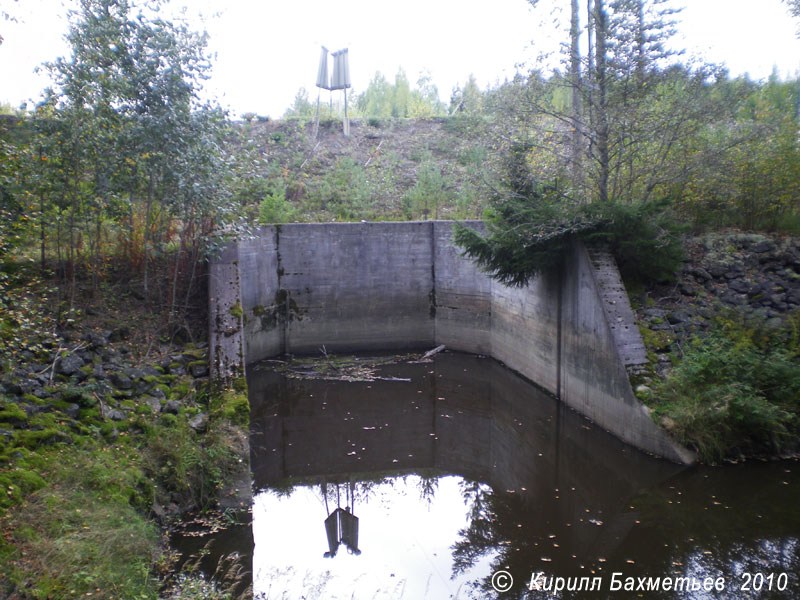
x=267 y=50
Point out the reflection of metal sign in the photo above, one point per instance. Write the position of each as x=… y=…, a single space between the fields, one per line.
x=341 y=70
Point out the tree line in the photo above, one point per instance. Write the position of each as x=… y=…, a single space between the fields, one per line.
x=120 y=163
x=627 y=126
x=121 y=166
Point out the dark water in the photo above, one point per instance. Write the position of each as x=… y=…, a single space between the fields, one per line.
x=467 y=469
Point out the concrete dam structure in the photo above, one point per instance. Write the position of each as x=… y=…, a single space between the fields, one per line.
x=393 y=286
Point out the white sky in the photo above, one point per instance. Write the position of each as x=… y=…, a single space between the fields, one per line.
x=267 y=50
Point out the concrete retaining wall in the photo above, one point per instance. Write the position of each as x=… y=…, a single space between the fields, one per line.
x=394 y=286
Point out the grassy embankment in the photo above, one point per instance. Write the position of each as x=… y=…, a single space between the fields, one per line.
x=734 y=392
x=92 y=470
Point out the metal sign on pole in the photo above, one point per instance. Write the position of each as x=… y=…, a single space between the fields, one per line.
x=322 y=84
x=339 y=81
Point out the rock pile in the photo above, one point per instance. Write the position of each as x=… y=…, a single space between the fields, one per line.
x=756 y=274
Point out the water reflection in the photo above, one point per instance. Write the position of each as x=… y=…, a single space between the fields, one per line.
x=467 y=469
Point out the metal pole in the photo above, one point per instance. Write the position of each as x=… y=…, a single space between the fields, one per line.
x=346 y=120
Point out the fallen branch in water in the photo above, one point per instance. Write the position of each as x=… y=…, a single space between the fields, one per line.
x=434 y=352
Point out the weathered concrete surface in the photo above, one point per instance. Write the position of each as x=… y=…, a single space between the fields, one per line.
x=371 y=286
x=226 y=342
x=593 y=377
x=617 y=307
x=463 y=296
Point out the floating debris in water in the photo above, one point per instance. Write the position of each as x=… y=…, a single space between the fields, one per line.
x=332 y=367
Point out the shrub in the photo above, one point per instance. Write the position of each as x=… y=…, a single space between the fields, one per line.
x=274 y=208
x=736 y=391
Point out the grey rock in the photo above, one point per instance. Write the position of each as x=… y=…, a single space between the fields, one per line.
x=177 y=369
x=12 y=387
x=678 y=317
x=150 y=371
x=199 y=422
x=733 y=299
x=41 y=393
x=112 y=413
x=765 y=246
x=173 y=407
x=158 y=393
x=119 y=334
x=199 y=369
x=121 y=380
x=28 y=386
x=69 y=364
x=95 y=340
x=777 y=299
x=153 y=403
x=134 y=373
x=739 y=285
x=98 y=372
x=733 y=274
x=717 y=271
x=72 y=411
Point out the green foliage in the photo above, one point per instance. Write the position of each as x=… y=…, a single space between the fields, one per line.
x=429 y=193
x=274 y=208
x=644 y=238
x=344 y=192
x=531 y=227
x=382 y=99
x=231 y=406
x=79 y=528
x=748 y=165
x=736 y=390
x=469 y=100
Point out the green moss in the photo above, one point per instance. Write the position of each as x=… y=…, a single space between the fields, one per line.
x=34 y=439
x=89 y=415
x=236 y=310
x=168 y=420
x=12 y=413
x=656 y=341
x=16 y=483
x=231 y=406
x=240 y=384
x=181 y=389
x=78 y=395
x=194 y=353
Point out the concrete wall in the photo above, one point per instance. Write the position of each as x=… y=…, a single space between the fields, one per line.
x=394 y=286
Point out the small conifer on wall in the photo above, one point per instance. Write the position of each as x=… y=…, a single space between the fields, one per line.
x=529 y=226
